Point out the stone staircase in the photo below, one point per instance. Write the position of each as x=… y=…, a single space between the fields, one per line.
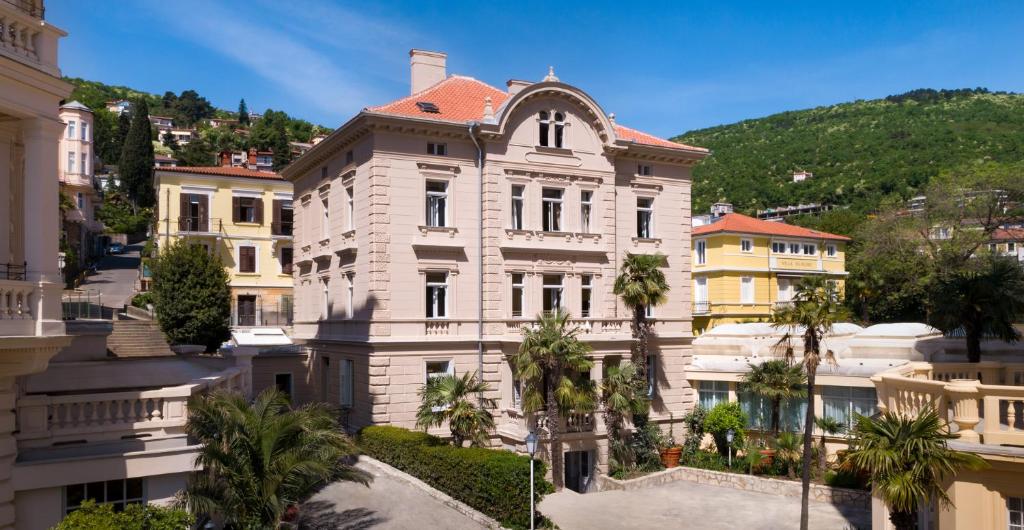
x=137 y=338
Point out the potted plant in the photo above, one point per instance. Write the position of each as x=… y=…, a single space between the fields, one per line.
x=670 y=451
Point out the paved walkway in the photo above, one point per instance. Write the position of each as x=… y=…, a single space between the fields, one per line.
x=387 y=503
x=115 y=277
x=690 y=505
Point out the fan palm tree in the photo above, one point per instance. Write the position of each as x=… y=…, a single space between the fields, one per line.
x=907 y=459
x=456 y=400
x=983 y=300
x=815 y=309
x=623 y=395
x=828 y=426
x=641 y=284
x=548 y=364
x=259 y=458
x=775 y=380
x=787 y=450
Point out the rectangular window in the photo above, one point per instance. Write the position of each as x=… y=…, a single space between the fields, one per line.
x=1015 y=513
x=346 y=376
x=287 y=216
x=586 y=295
x=439 y=368
x=85 y=164
x=350 y=208
x=437 y=149
x=842 y=403
x=120 y=493
x=746 y=245
x=778 y=247
x=245 y=313
x=830 y=251
x=283 y=382
x=325 y=299
x=81 y=200
x=350 y=295
x=747 y=290
x=325 y=222
x=552 y=209
x=518 y=293
x=643 y=170
x=246 y=210
x=517 y=207
x=700 y=294
x=437 y=294
x=702 y=251
x=286 y=260
x=1011 y=247
x=652 y=375
x=323 y=172
x=649 y=311
x=552 y=292
x=794 y=248
x=517 y=394
x=711 y=393
x=586 y=208
x=247 y=259
x=437 y=203
x=810 y=250
x=71 y=161
x=350 y=157
x=644 y=217
x=85 y=131
x=993 y=247
x=71 y=129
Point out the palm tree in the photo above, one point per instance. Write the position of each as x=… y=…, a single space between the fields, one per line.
x=908 y=460
x=828 y=426
x=549 y=364
x=787 y=450
x=259 y=458
x=775 y=380
x=456 y=400
x=983 y=300
x=641 y=284
x=814 y=310
x=623 y=396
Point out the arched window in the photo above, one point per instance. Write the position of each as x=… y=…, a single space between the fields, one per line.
x=545 y=125
x=559 y=129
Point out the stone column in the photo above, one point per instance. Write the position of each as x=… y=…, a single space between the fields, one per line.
x=41 y=223
x=8 y=452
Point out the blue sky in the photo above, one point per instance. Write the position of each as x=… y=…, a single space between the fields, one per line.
x=664 y=68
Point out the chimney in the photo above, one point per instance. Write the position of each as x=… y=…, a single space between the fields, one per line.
x=225 y=158
x=515 y=85
x=252 y=158
x=427 y=69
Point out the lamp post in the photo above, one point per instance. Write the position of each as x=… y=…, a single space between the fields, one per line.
x=729 y=435
x=531 y=447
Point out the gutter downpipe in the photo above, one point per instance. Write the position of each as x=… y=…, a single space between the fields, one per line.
x=473 y=128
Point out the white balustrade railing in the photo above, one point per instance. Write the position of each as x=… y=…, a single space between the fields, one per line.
x=16 y=299
x=26 y=38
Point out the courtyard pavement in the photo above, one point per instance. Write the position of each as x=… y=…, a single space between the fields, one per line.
x=690 y=505
x=388 y=503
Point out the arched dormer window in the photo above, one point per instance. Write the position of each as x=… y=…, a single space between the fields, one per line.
x=551 y=133
x=545 y=127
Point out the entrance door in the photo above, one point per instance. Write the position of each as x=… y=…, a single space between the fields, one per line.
x=578 y=470
x=246 y=310
x=700 y=295
x=786 y=289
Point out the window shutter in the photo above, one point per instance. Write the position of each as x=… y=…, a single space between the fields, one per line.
x=258 y=210
x=204 y=213
x=236 y=209
x=183 y=211
x=275 y=222
x=247 y=259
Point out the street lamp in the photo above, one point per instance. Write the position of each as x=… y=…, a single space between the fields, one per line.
x=729 y=435
x=531 y=447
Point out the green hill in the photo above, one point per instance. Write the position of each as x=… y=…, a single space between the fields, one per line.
x=859 y=152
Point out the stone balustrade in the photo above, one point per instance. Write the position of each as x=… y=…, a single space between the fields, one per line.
x=17 y=298
x=976 y=411
x=26 y=38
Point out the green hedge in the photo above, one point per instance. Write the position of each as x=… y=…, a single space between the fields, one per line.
x=494 y=482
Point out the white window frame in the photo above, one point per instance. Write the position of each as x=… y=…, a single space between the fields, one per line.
x=643 y=170
x=350 y=206
x=747 y=292
x=71 y=162
x=794 y=248
x=518 y=290
x=325 y=221
x=85 y=131
x=437 y=205
x=518 y=206
x=350 y=288
x=587 y=293
x=700 y=251
x=85 y=164
x=325 y=298
x=647 y=211
x=432 y=290
x=80 y=200
x=437 y=149
x=125 y=500
x=558 y=131
x=449 y=370
x=809 y=249
x=652 y=375
x=549 y=205
x=746 y=245
x=831 y=251
x=346 y=383
x=714 y=392
x=586 y=211
x=559 y=291
x=779 y=247
x=544 y=128
x=256 y=258
x=71 y=129
x=1014 y=505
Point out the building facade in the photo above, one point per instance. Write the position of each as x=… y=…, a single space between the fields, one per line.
x=432 y=229
x=744 y=267
x=246 y=218
x=81 y=230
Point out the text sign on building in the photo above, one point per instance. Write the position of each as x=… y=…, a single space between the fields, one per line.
x=800 y=264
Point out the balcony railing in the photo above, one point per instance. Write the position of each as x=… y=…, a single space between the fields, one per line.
x=13 y=271
x=24 y=38
x=701 y=307
x=282 y=228
x=982 y=402
x=281 y=312
x=84 y=305
x=200 y=225
x=32 y=8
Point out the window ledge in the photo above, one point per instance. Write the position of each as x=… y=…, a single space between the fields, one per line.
x=247 y=274
x=554 y=150
x=248 y=223
x=450 y=230
x=348 y=233
x=325 y=242
x=656 y=241
x=306 y=248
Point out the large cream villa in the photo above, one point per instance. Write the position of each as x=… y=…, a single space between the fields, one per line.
x=431 y=229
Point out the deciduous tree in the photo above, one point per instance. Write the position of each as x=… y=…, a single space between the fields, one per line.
x=193 y=295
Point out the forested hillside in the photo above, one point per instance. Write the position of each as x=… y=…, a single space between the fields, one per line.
x=859 y=152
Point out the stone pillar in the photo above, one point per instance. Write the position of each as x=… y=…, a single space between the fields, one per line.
x=964 y=395
x=8 y=452
x=41 y=223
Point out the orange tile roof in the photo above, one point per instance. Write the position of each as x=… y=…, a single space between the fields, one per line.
x=460 y=99
x=739 y=223
x=1008 y=234
x=224 y=171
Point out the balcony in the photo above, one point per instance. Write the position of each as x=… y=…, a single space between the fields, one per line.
x=279 y=313
x=983 y=403
x=702 y=307
x=589 y=326
x=565 y=242
x=26 y=38
x=17 y=296
x=200 y=226
x=282 y=228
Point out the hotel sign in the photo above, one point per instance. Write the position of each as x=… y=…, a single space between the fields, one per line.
x=796 y=264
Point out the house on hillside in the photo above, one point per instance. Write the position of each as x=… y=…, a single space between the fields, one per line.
x=82 y=231
x=119 y=106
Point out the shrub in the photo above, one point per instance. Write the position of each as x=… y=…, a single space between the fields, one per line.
x=492 y=481
x=141 y=299
x=845 y=479
x=694 y=430
x=93 y=516
x=193 y=296
x=720 y=419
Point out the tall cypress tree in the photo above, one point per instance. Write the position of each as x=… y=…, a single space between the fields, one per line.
x=243 y=113
x=282 y=151
x=124 y=122
x=136 y=164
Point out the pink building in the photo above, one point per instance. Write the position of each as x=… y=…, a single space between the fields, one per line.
x=77 y=181
x=431 y=229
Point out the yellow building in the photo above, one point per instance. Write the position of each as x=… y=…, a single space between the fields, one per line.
x=245 y=216
x=743 y=267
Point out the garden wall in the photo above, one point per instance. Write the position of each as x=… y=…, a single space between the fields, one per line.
x=772 y=486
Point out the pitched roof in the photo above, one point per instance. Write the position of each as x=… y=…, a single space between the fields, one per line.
x=224 y=171
x=1008 y=234
x=739 y=223
x=460 y=99
x=76 y=105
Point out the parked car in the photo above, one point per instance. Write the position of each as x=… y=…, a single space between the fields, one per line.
x=116 y=248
